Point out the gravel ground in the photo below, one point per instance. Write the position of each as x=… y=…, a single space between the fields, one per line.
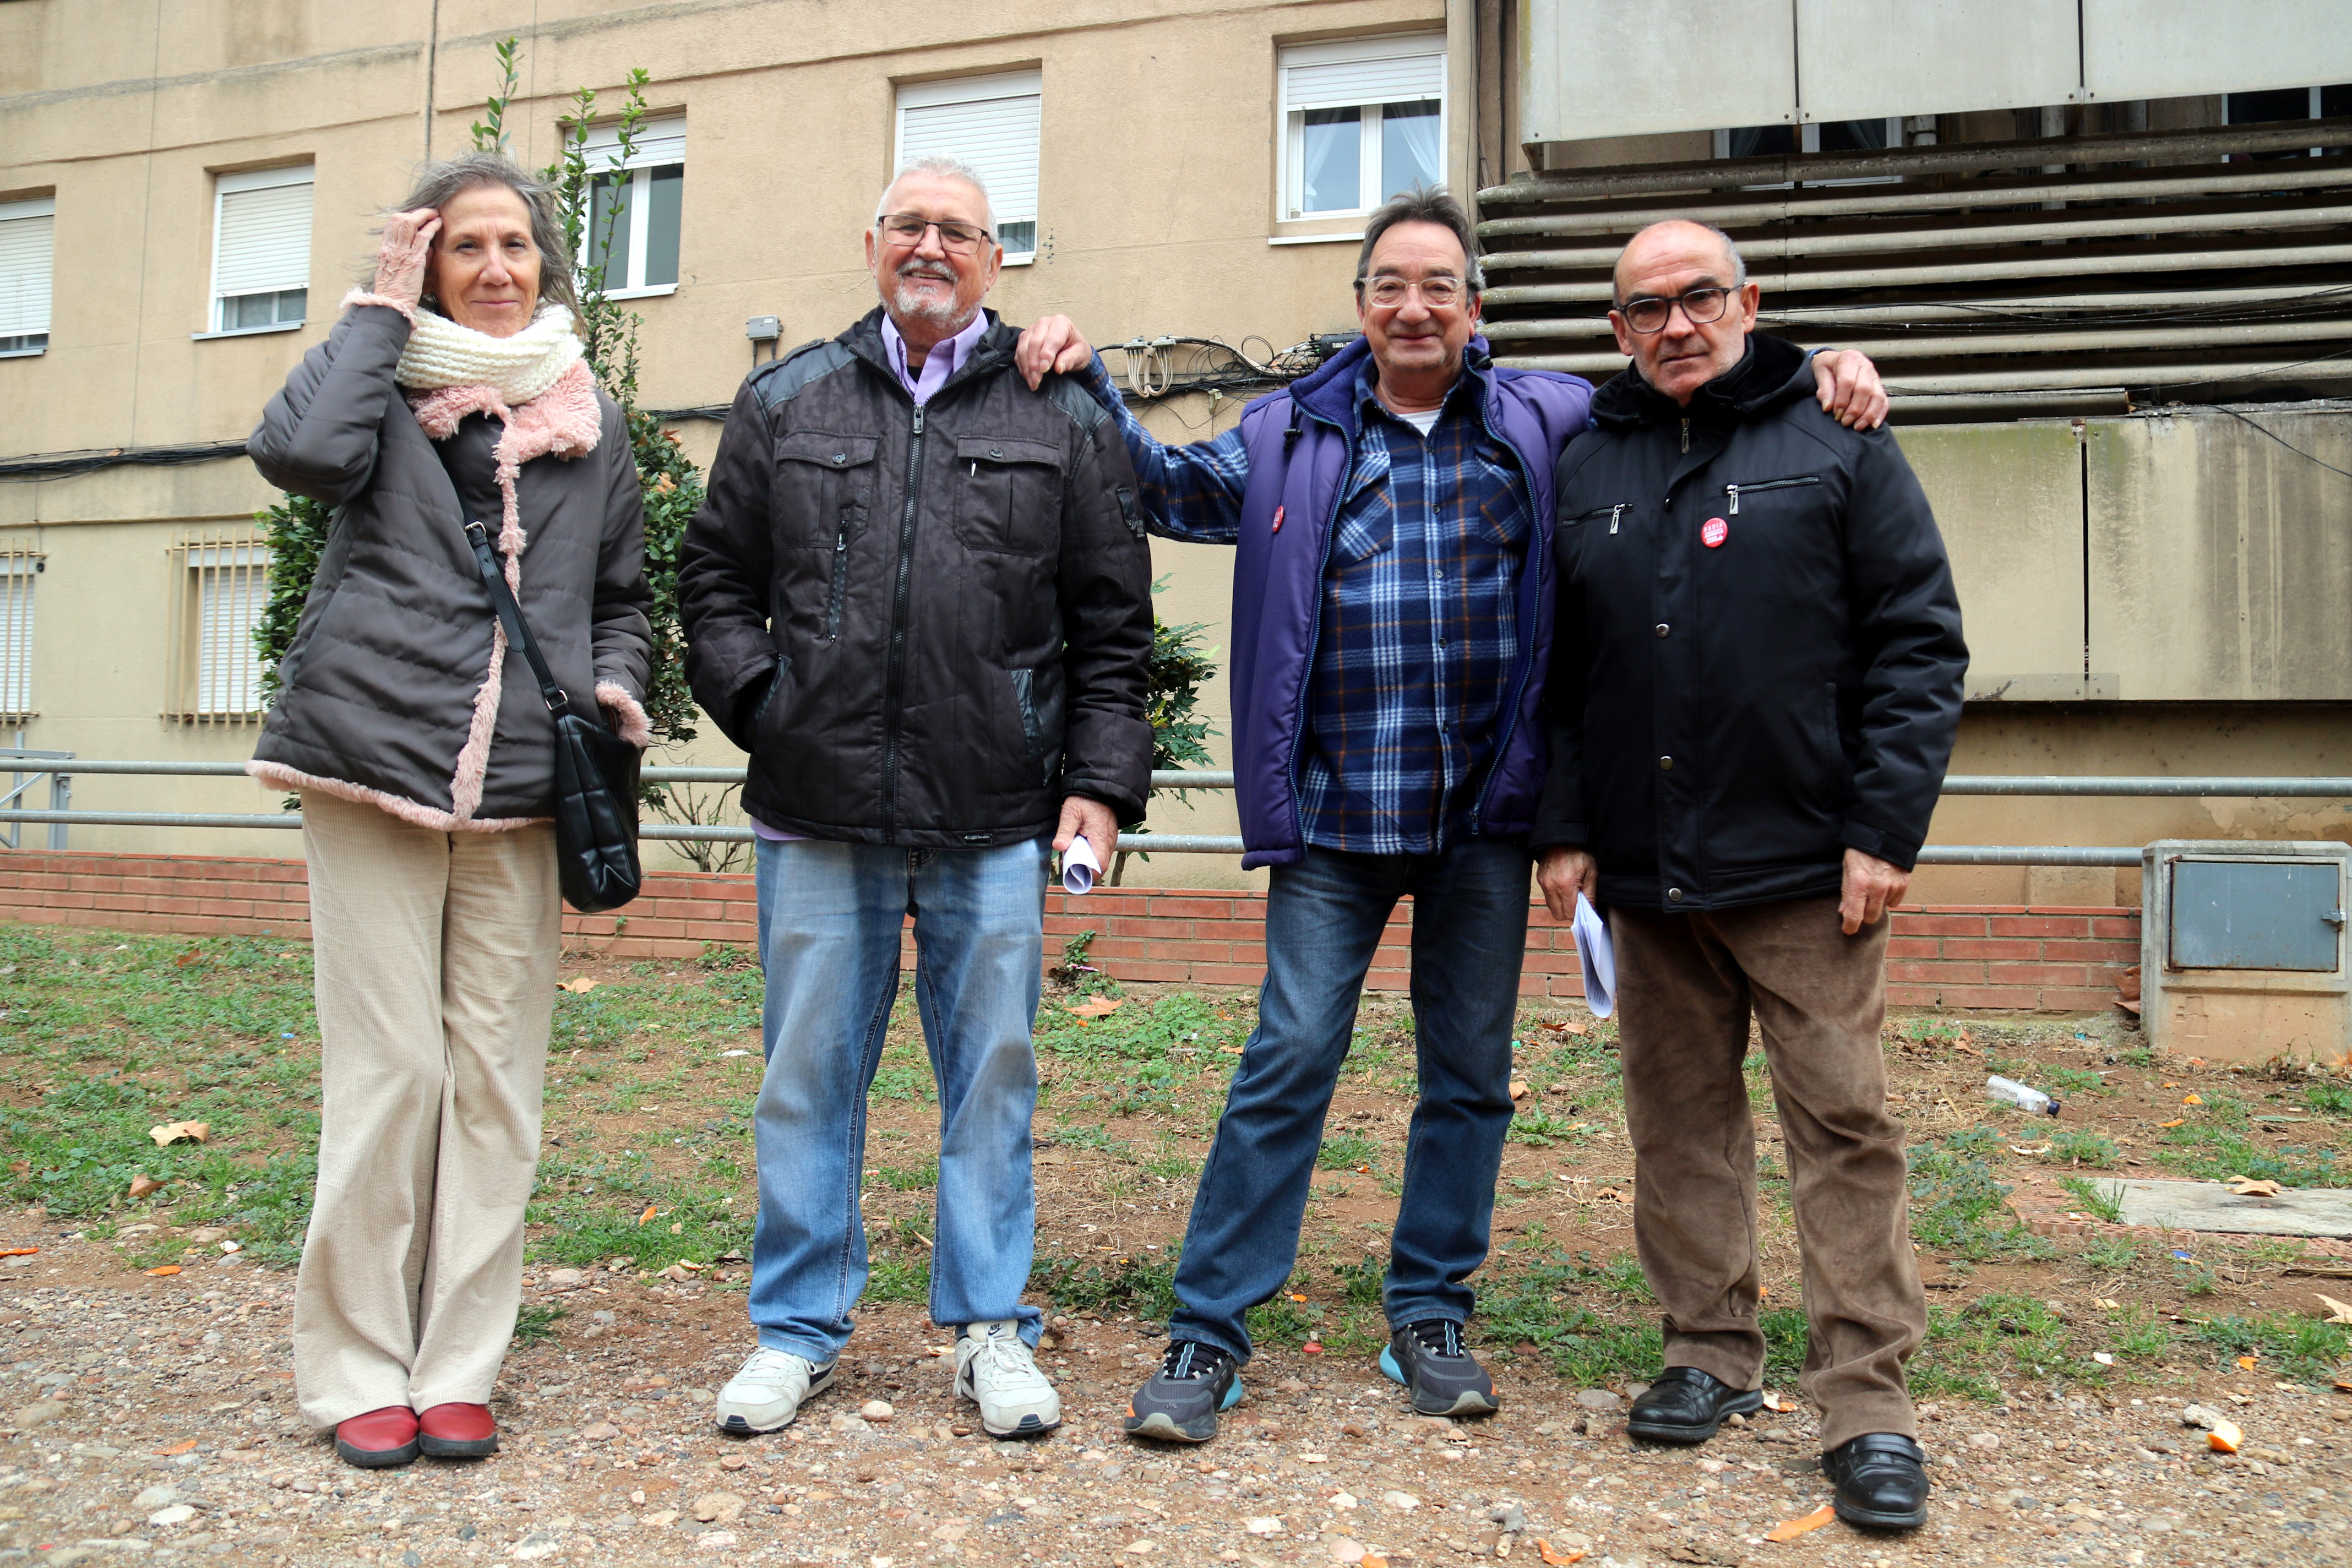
x=150 y=1420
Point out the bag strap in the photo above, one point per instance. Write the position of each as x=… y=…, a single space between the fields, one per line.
x=502 y=600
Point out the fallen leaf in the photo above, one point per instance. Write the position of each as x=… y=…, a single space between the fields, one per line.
x=1544 y=1551
x=1372 y=1559
x=2105 y=1304
x=1775 y=1402
x=18 y=1251
x=142 y=1183
x=2245 y=1364
x=580 y=987
x=2103 y=1358
x=2339 y=1311
x=698 y=1268
x=2192 y=1100
x=1297 y=1297
x=1789 y=1529
x=1052 y=1157
x=1097 y=1007
x=2174 y=1123
x=1229 y=1050
x=1519 y=1089
x=2247 y=1187
x=187 y=1447
x=648 y=1213
x=2225 y=1438
x=167 y=1268
x=172 y=1132
x=1313 y=1347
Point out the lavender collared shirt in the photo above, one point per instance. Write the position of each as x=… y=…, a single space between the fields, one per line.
x=938 y=366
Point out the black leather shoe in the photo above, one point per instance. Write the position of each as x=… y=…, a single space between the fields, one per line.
x=1881 y=1481
x=1687 y=1405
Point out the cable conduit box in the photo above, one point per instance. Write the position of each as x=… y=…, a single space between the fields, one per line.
x=2242 y=949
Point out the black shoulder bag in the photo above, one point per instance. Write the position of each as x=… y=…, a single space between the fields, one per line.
x=595 y=772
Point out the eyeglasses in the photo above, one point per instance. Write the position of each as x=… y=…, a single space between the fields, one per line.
x=1700 y=306
x=956 y=238
x=1437 y=293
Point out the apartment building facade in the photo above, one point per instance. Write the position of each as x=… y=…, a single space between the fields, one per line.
x=187 y=190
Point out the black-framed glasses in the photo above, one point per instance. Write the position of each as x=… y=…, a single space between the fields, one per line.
x=1438 y=293
x=1648 y=312
x=957 y=239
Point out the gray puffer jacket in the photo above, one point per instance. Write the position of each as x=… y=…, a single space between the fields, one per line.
x=389 y=677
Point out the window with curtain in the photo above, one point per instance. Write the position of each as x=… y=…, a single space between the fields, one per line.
x=216 y=675
x=1362 y=120
x=261 y=249
x=636 y=207
x=27 y=252
x=991 y=123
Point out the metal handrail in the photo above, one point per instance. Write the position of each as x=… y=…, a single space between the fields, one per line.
x=2111 y=786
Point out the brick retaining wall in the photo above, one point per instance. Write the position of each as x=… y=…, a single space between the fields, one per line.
x=2010 y=958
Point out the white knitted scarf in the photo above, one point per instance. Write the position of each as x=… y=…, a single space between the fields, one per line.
x=442 y=353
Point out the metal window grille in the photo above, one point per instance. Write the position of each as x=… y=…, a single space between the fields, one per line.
x=20 y=567
x=223 y=584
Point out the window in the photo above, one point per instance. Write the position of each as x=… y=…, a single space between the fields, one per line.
x=1362 y=121
x=222 y=584
x=25 y=248
x=261 y=250
x=636 y=207
x=19 y=568
x=991 y=123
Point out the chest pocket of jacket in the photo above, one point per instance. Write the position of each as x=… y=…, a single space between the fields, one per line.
x=1008 y=494
x=824 y=490
x=1367 y=522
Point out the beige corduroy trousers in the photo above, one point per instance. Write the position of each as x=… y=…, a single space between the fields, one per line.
x=436 y=957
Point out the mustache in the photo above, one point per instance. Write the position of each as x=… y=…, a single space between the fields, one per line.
x=921 y=269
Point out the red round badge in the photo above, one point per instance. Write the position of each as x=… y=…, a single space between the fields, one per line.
x=1715 y=533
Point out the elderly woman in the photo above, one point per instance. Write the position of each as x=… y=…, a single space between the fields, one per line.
x=452 y=390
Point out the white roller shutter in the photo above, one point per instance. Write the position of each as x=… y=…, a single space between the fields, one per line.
x=261 y=241
x=989 y=122
x=658 y=142
x=28 y=238
x=1365 y=70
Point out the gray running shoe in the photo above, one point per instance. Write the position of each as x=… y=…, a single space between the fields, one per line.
x=1181 y=1403
x=1429 y=1359
x=766 y=1392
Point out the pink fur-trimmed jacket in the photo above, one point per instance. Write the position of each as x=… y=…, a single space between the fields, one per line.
x=397 y=689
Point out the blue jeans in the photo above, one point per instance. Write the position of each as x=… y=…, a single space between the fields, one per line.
x=1324 y=916
x=830 y=919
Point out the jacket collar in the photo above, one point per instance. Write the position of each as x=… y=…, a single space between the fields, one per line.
x=993 y=353
x=1771 y=372
x=1328 y=391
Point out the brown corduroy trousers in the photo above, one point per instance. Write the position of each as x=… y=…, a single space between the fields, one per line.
x=436 y=957
x=1686 y=985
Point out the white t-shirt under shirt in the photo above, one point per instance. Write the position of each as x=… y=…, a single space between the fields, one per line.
x=1423 y=420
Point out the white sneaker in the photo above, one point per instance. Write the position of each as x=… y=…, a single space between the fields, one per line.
x=995 y=1371
x=768 y=1390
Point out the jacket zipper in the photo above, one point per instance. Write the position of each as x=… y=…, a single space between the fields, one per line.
x=1615 y=512
x=894 y=689
x=1686 y=435
x=1540 y=557
x=1733 y=490
x=840 y=570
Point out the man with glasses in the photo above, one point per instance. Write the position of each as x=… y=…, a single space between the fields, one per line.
x=919 y=595
x=1389 y=642
x=1752 y=702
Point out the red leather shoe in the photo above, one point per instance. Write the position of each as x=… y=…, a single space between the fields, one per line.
x=458 y=1432
x=379 y=1439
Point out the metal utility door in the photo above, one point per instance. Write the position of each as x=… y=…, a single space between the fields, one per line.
x=2257 y=914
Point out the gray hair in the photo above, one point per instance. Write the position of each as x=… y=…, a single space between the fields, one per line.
x=1738 y=262
x=1422 y=204
x=946 y=168
x=444 y=179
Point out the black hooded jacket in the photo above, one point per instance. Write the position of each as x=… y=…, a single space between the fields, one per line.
x=1728 y=718
x=927 y=626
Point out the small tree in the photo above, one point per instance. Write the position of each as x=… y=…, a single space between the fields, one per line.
x=1179 y=667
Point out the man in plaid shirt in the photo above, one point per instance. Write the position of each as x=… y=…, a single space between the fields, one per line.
x=1392 y=616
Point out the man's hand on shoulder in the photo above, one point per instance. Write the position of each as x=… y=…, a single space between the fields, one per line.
x=1849 y=388
x=1872 y=888
x=1084 y=813
x=1562 y=871
x=1054 y=343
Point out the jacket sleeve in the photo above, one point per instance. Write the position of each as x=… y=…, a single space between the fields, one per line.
x=1191 y=492
x=1907 y=619
x=317 y=436
x=725 y=568
x=619 y=637
x=1104 y=587
x=1561 y=808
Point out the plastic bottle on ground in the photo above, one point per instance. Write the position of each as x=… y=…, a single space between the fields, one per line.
x=2026 y=1098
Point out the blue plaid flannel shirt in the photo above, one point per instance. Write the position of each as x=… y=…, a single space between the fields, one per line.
x=1420 y=616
